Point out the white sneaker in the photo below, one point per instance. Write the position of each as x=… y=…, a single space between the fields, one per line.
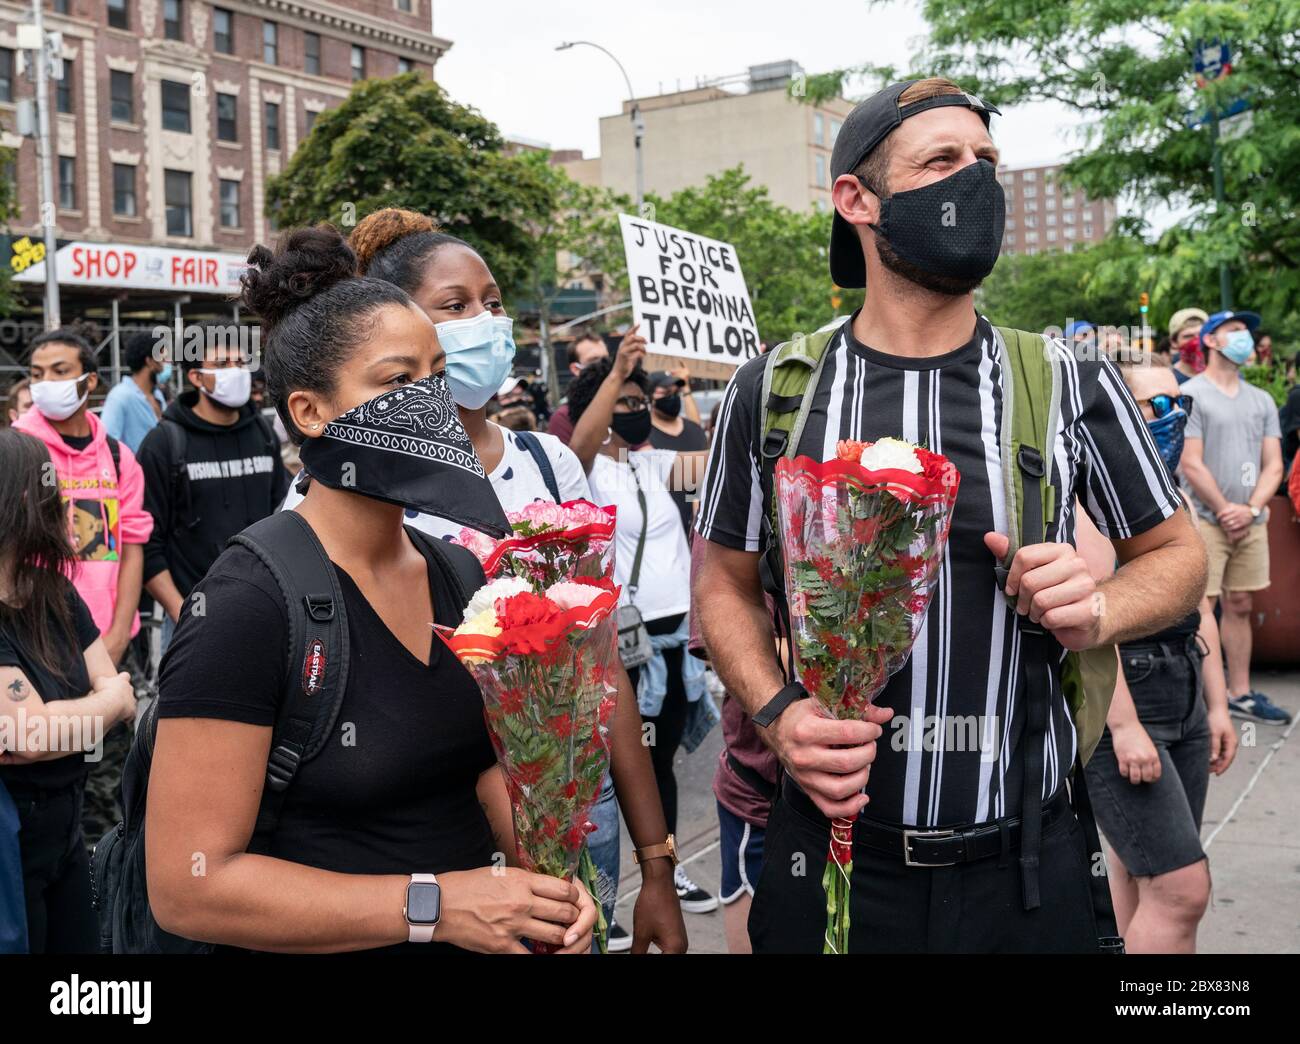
x=694 y=899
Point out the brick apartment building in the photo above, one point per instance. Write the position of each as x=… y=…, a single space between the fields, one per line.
x=170 y=117
x=1042 y=216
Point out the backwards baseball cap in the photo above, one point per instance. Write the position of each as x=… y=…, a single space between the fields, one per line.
x=1251 y=319
x=1185 y=317
x=1078 y=326
x=863 y=129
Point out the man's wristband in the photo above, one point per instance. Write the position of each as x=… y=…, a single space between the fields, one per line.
x=770 y=711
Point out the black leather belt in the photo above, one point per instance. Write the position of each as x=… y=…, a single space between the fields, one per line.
x=930 y=848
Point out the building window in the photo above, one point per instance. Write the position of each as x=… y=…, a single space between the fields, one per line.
x=1051 y=218
x=311 y=53
x=6 y=74
x=227 y=117
x=1029 y=190
x=68 y=182
x=63 y=91
x=121 y=90
x=223 y=31
x=176 y=106
x=273 y=125
x=820 y=160
x=270 y=43
x=124 y=190
x=358 y=63
x=1068 y=217
x=835 y=130
x=404 y=65
x=229 y=204
x=172 y=11
x=118 y=16
x=819 y=129
x=1031 y=237
x=1051 y=235
x=1087 y=231
x=1031 y=220
x=60 y=6
x=180 y=212
x=309 y=119
x=1010 y=225
x=405 y=5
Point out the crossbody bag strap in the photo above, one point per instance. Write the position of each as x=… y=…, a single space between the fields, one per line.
x=633 y=580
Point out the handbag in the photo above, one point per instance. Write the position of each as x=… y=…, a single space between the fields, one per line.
x=634 y=647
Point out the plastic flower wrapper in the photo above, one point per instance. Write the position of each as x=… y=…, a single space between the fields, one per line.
x=544 y=662
x=551 y=542
x=862 y=538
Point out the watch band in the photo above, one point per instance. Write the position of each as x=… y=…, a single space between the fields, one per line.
x=770 y=711
x=662 y=850
x=420 y=933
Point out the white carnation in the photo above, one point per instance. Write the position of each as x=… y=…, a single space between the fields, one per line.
x=485 y=597
x=891 y=453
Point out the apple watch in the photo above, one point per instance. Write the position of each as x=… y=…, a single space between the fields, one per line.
x=423 y=907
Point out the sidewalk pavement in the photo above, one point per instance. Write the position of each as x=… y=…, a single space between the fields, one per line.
x=1251 y=832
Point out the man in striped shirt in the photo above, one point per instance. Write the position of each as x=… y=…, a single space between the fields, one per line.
x=919 y=223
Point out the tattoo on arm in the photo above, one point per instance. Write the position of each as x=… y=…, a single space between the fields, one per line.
x=17 y=690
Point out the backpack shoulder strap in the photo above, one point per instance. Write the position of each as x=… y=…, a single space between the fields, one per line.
x=534 y=446
x=460 y=569
x=317 y=670
x=115 y=451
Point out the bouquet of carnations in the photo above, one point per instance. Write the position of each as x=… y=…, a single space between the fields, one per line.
x=862 y=538
x=551 y=543
x=544 y=661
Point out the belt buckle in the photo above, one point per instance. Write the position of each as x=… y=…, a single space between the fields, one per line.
x=908 y=835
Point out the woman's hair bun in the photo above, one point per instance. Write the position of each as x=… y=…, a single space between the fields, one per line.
x=306 y=262
x=380 y=230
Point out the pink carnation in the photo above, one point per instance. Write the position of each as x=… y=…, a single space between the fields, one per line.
x=479 y=544
x=573 y=596
x=542 y=514
x=584 y=513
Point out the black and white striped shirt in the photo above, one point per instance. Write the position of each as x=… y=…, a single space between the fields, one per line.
x=963 y=677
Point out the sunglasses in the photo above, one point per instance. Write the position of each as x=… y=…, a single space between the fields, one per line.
x=1163 y=405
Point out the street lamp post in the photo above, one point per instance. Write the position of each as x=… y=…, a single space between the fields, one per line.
x=638 y=123
x=42 y=58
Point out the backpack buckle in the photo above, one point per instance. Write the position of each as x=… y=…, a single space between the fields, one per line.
x=281 y=767
x=774 y=444
x=1031 y=462
x=320 y=607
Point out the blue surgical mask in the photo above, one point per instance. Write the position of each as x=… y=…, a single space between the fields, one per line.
x=480 y=352
x=1168 y=434
x=165 y=374
x=1238 y=346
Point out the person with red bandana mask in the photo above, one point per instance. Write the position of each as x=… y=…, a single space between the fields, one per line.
x=1185 y=339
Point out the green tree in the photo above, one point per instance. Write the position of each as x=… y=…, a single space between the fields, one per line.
x=782 y=252
x=8 y=211
x=1126 y=70
x=403 y=142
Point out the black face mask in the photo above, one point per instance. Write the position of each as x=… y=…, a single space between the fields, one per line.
x=670 y=405
x=951 y=229
x=408 y=447
x=632 y=428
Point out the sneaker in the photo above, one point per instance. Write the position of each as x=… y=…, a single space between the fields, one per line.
x=694 y=899
x=619 y=940
x=1255 y=706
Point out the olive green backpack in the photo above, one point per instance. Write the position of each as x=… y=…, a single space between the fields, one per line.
x=1031 y=402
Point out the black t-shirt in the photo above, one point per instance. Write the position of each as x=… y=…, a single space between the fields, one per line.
x=690 y=440
x=394 y=791
x=965 y=664
x=14 y=652
x=78 y=442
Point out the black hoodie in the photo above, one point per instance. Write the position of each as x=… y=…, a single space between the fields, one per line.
x=203 y=484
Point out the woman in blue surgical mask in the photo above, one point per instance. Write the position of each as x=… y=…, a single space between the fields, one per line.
x=451 y=282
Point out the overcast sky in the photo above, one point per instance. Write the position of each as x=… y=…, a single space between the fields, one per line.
x=503 y=60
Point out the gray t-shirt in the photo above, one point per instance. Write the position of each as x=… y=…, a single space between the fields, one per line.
x=1233 y=428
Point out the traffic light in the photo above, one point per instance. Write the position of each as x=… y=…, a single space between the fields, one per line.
x=1144 y=300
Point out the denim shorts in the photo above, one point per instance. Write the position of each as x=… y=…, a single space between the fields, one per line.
x=1155 y=828
x=742 y=855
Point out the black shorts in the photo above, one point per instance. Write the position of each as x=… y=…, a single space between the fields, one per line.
x=1155 y=828
x=974 y=907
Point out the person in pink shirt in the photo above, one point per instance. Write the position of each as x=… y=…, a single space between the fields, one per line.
x=101 y=483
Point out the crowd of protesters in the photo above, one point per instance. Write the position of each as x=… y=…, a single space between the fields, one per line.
x=113 y=506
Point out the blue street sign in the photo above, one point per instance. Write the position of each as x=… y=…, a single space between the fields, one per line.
x=1213 y=60
x=1234 y=108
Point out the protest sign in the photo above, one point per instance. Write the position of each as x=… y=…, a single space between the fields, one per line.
x=689 y=295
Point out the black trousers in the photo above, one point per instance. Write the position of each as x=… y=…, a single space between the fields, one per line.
x=973 y=907
x=670 y=723
x=56 y=871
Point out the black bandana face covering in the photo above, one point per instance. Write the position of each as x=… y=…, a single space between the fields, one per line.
x=950 y=228
x=408 y=447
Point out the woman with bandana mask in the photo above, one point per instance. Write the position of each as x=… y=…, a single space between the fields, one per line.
x=609 y=402
x=1167 y=730
x=412 y=788
x=454 y=287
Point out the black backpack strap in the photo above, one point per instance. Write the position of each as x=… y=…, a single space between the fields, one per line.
x=1036 y=648
x=533 y=445
x=767 y=451
x=460 y=569
x=183 y=514
x=317 y=670
x=115 y=451
x=1103 y=907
